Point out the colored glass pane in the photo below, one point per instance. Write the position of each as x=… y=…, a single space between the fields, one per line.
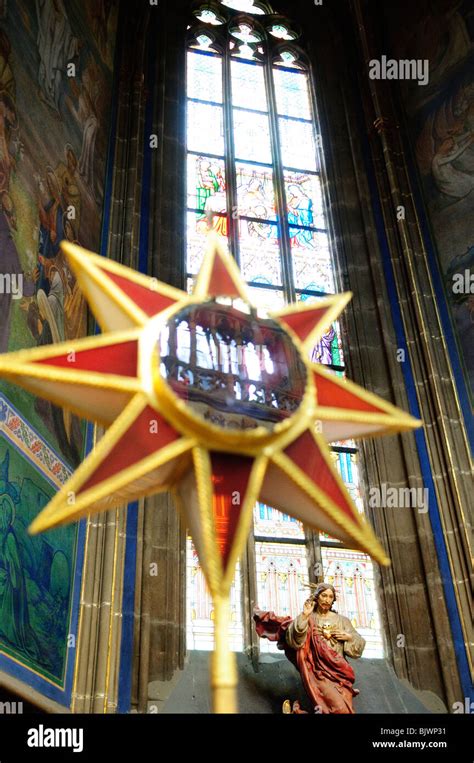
x=344 y=444
x=260 y=259
x=329 y=349
x=209 y=17
x=348 y=468
x=292 y=93
x=246 y=52
x=352 y=575
x=196 y=240
x=282 y=571
x=246 y=34
x=266 y=299
x=273 y=524
x=200 y=609
x=204 y=74
x=252 y=136
x=281 y=32
x=304 y=199
x=248 y=85
x=205 y=130
x=206 y=184
x=287 y=59
x=311 y=258
x=255 y=192
x=297 y=144
x=245 y=6
x=328 y=538
x=202 y=42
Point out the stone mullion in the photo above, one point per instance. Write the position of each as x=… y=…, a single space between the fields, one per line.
x=248 y=574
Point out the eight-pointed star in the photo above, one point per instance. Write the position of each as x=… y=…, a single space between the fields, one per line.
x=158 y=440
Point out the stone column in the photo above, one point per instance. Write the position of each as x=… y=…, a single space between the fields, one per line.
x=444 y=433
x=161 y=598
x=95 y=688
x=365 y=171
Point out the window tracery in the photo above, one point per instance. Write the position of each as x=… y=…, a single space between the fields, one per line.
x=254 y=161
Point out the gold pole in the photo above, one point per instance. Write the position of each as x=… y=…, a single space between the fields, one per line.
x=223 y=662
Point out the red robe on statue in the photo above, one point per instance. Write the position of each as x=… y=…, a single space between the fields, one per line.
x=327 y=676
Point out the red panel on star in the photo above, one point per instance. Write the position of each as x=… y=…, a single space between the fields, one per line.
x=119 y=359
x=151 y=302
x=304 y=322
x=221 y=283
x=305 y=453
x=332 y=395
x=230 y=477
x=148 y=434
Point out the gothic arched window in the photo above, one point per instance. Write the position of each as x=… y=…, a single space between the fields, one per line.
x=254 y=163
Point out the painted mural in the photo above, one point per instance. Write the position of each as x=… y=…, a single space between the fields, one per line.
x=55 y=90
x=441 y=120
x=36 y=573
x=56 y=61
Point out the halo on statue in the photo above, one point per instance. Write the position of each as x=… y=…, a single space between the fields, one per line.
x=209 y=397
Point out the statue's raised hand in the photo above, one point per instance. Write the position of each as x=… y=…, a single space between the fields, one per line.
x=308 y=607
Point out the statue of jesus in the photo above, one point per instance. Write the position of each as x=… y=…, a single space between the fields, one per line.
x=317 y=642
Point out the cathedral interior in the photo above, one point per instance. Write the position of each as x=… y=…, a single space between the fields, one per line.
x=330 y=147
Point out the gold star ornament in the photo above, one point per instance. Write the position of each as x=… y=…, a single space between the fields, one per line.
x=209 y=397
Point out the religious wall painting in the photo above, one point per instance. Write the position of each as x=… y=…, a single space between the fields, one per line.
x=441 y=32
x=441 y=122
x=36 y=573
x=445 y=156
x=51 y=180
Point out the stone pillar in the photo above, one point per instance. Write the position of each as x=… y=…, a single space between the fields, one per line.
x=161 y=599
x=444 y=433
x=95 y=688
x=412 y=598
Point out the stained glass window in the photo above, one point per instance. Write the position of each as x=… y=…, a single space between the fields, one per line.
x=352 y=575
x=253 y=167
x=200 y=610
x=282 y=571
x=246 y=6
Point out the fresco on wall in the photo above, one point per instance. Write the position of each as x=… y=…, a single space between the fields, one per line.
x=55 y=90
x=56 y=62
x=36 y=573
x=441 y=122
